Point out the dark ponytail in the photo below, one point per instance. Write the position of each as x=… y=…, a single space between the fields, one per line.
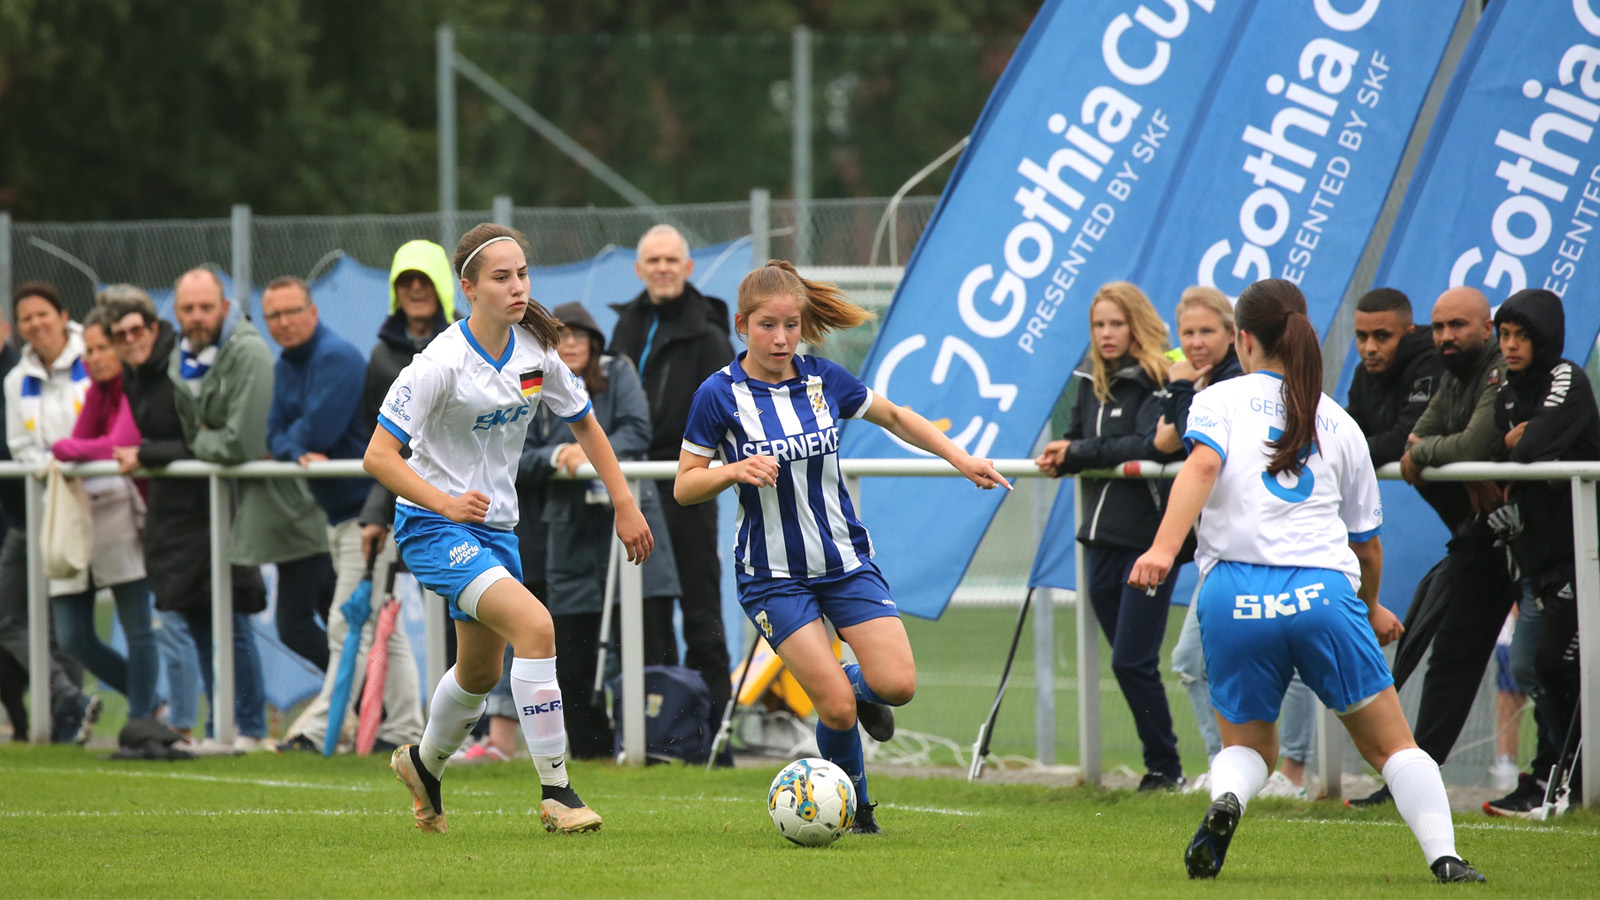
x=1273 y=311
x=538 y=320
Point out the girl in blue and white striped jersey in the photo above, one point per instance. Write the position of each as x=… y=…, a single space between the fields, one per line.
x=772 y=417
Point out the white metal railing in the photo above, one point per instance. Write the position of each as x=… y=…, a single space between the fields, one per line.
x=1583 y=478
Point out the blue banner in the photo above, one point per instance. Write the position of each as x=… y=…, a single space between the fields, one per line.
x=1505 y=196
x=1290 y=169
x=1069 y=166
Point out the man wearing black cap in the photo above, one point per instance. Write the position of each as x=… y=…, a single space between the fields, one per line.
x=1546 y=411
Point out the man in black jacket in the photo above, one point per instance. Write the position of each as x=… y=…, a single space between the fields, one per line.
x=678 y=336
x=1400 y=372
x=1546 y=411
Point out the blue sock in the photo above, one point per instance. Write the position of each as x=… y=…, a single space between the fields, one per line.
x=863 y=691
x=843 y=749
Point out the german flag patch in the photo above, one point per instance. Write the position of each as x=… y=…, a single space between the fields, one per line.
x=532 y=383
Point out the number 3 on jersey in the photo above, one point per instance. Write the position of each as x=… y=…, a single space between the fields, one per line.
x=1300 y=491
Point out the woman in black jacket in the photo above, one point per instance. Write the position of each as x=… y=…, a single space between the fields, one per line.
x=1118 y=405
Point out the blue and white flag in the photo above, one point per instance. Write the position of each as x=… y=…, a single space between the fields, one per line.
x=1289 y=170
x=1068 y=170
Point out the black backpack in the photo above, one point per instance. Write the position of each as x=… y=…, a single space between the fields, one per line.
x=677 y=713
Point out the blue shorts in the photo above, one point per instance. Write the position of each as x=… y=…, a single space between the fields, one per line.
x=1259 y=624
x=446 y=556
x=780 y=606
x=1502 y=670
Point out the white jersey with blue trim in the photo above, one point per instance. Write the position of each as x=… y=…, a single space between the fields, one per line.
x=806 y=525
x=465 y=414
x=1282 y=520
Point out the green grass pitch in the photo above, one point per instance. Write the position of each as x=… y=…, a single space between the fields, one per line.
x=300 y=826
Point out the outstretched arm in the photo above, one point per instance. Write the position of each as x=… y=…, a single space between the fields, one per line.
x=631 y=526
x=911 y=427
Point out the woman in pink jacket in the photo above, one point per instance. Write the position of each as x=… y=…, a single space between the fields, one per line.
x=116 y=560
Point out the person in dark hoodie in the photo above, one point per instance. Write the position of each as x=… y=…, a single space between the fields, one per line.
x=578 y=522
x=1114 y=420
x=1546 y=412
x=676 y=337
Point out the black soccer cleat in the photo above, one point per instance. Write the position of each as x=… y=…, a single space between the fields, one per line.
x=1377 y=798
x=876 y=719
x=1520 y=803
x=1450 y=870
x=1209 y=846
x=866 y=822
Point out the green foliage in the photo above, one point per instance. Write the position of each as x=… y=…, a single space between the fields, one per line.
x=115 y=109
x=298 y=825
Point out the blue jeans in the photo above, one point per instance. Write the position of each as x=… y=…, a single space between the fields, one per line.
x=1297 y=725
x=181 y=664
x=249 y=700
x=133 y=677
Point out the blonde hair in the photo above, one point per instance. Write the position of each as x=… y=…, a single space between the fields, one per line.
x=1205 y=298
x=823 y=307
x=1149 y=335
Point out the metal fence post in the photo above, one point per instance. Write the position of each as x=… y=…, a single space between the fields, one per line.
x=5 y=254
x=1330 y=754
x=632 y=601
x=444 y=41
x=241 y=256
x=502 y=210
x=434 y=621
x=222 y=690
x=800 y=80
x=760 y=226
x=1044 y=676
x=1088 y=658
x=38 y=618
x=1586 y=554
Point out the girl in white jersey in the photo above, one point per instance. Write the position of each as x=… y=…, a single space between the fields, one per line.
x=1289 y=550
x=772 y=416
x=463 y=406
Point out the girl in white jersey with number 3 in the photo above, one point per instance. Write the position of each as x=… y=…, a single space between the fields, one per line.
x=1288 y=548
x=772 y=416
x=463 y=407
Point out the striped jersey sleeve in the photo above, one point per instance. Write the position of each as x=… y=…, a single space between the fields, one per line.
x=708 y=417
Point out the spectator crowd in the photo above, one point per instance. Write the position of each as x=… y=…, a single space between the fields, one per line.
x=1470 y=382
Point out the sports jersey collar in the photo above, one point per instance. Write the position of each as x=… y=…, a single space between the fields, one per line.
x=1268 y=372
x=739 y=374
x=472 y=341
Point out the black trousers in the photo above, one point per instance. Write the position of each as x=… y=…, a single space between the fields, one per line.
x=1135 y=623
x=305 y=588
x=694 y=544
x=589 y=732
x=1556 y=659
x=1481 y=596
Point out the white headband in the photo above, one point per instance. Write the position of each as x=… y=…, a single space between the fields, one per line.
x=503 y=237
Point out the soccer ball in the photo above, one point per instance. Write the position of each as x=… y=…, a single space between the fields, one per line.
x=812 y=802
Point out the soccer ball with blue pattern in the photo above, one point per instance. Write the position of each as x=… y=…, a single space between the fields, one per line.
x=812 y=802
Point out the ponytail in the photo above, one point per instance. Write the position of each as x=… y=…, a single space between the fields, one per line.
x=535 y=318
x=1273 y=311
x=823 y=307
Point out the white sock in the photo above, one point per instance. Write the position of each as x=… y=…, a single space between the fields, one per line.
x=1239 y=771
x=452 y=713
x=533 y=685
x=1413 y=779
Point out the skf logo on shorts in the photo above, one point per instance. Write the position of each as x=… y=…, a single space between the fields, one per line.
x=1271 y=606
x=463 y=552
x=548 y=706
x=506 y=416
x=763 y=624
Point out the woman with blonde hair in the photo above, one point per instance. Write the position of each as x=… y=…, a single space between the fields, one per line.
x=1114 y=421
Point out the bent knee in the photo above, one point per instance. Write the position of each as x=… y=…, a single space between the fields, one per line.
x=838 y=712
x=898 y=689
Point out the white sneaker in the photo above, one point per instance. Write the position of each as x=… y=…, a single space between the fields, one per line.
x=1279 y=785
x=1503 y=774
x=1200 y=785
x=243 y=744
x=207 y=747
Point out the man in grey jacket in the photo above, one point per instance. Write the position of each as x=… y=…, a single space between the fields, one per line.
x=1458 y=426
